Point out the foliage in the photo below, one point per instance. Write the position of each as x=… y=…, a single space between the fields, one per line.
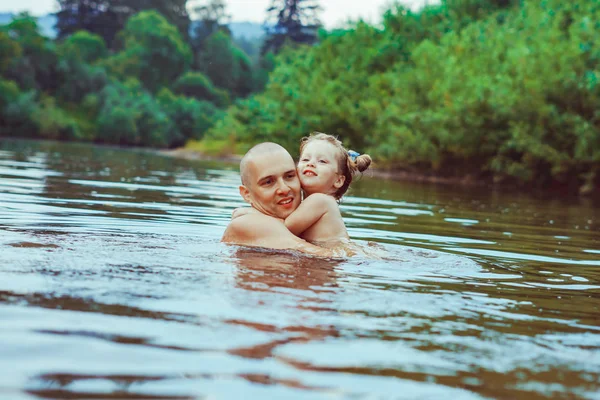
x=199 y=86
x=84 y=46
x=503 y=89
x=108 y=17
x=80 y=77
x=145 y=94
x=36 y=65
x=217 y=148
x=10 y=94
x=9 y=50
x=75 y=89
x=250 y=46
x=9 y=91
x=154 y=51
x=25 y=115
x=210 y=16
x=129 y=115
x=83 y=80
x=17 y=115
x=265 y=66
x=191 y=117
x=226 y=65
x=490 y=88
x=54 y=122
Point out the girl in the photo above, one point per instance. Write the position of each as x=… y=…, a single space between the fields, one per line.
x=325 y=170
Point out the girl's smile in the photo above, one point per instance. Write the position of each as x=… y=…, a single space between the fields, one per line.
x=318 y=168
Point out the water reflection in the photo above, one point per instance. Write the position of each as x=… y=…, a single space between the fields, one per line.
x=295 y=285
x=115 y=285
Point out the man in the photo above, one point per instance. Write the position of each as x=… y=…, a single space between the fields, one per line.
x=271 y=186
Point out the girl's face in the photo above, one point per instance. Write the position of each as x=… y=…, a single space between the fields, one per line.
x=318 y=168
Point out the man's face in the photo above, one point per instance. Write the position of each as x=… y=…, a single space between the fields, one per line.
x=272 y=185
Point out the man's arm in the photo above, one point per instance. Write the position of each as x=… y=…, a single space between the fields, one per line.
x=258 y=230
x=309 y=212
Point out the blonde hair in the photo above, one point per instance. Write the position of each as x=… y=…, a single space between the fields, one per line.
x=346 y=165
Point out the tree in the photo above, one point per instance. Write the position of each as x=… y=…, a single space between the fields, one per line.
x=191 y=117
x=35 y=68
x=197 y=85
x=129 y=115
x=85 y=46
x=295 y=21
x=209 y=16
x=154 y=52
x=227 y=66
x=9 y=50
x=249 y=46
x=107 y=17
x=265 y=65
x=101 y=17
x=83 y=79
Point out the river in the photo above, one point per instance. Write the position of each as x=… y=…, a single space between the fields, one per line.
x=114 y=284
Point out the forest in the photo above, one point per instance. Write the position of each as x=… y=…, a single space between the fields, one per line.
x=134 y=76
x=501 y=90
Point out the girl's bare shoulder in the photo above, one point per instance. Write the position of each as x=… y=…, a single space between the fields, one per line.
x=321 y=200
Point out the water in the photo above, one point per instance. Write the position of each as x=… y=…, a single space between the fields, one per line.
x=113 y=284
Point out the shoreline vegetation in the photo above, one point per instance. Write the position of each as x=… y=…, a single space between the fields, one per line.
x=412 y=174
x=400 y=175
x=500 y=92
x=408 y=174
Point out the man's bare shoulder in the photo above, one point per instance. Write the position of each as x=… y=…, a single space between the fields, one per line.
x=250 y=227
x=265 y=231
x=249 y=220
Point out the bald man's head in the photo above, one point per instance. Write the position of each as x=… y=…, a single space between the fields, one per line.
x=269 y=180
x=260 y=150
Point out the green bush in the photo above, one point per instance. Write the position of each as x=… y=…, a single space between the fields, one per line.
x=191 y=117
x=54 y=122
x=84 y=46
x=23 y=114
x=199 y=86
x=17 y=116
x=129 y=115
x=83 y=80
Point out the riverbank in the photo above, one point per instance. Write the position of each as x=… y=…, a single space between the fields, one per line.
x=374 y=171
x=188 y=154
x=413 y=175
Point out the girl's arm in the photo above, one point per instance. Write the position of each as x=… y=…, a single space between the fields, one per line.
x=309 y=212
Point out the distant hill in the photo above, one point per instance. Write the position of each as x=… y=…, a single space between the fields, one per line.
x=5 y=18
x=249 y=30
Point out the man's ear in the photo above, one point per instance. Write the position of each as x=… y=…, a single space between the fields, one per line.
x=245 y=193
x=339 y=181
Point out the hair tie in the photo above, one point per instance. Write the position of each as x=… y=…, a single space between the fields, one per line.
x=353 y=154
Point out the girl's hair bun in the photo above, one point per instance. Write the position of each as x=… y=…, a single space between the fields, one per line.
x=363 y=162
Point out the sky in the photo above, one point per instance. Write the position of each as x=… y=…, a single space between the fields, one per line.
x=335 y=12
